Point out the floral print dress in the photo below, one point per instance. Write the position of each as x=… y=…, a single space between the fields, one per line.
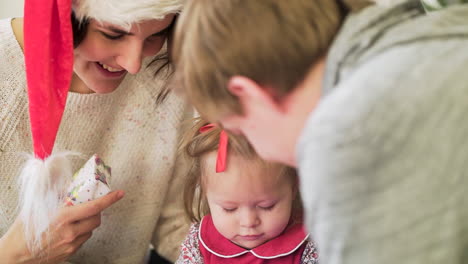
x=204 y=244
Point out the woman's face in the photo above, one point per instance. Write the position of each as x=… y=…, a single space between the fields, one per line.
x=108 y=53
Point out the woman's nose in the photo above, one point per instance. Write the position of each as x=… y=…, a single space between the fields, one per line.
x=130 y=57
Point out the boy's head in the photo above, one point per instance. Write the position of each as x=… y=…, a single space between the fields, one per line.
x=237 y=56
x=273 y=43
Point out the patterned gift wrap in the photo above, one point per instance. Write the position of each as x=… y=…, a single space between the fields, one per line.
x=90 y=182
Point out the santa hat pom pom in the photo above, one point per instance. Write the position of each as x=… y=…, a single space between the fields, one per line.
x=43 y=185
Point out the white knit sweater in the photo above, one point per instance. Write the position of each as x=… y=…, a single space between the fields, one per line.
x=131 y=132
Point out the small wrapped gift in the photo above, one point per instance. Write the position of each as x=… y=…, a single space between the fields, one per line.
x=90 y=182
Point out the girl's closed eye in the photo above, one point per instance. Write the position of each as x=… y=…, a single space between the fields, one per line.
x=268 y=207
x=229 y=210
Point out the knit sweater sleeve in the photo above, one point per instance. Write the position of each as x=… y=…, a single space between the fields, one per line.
x=383 y=159
x=13 y=101
x=169 y=234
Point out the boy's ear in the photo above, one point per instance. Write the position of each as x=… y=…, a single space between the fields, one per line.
x=248 y=90
x=240 y=85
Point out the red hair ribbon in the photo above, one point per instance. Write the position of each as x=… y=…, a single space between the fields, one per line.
x=221 y=159
x=48 y=49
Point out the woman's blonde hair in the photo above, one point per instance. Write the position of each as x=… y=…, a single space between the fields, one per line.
x=195 y=145
x=272 y=42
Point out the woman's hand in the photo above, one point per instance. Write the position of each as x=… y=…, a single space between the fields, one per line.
x=72 y=227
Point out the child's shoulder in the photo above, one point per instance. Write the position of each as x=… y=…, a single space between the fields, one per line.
x=310 y=254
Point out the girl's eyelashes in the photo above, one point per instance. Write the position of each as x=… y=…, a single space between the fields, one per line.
x=229 y=210
x=267 y=208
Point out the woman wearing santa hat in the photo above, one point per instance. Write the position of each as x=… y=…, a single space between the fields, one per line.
x=89 y=76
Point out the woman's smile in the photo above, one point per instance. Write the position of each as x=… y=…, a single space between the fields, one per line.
x=109 y=72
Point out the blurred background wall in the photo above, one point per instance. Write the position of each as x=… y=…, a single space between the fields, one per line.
x=11 y=8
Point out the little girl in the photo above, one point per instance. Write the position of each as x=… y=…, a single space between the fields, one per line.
x=245 y=210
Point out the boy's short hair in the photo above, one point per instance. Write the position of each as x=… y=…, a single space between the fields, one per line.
x=272 y=42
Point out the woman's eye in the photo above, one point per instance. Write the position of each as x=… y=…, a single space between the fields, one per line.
x=267 y=208
x=112 y=37
x=229 y=210
x=154 y=38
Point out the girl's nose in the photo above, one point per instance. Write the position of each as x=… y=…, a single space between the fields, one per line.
x=249 y=218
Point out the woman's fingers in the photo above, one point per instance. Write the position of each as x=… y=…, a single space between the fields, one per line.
x=64 y=251
x=86 y=210
x=72 y=227
x=74 y=221
x=87 y=225
x=79 y=241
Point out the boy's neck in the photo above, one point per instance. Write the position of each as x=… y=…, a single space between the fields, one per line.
x=300 y=103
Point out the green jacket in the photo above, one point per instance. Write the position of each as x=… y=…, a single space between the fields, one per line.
x=433 y=5
x=383 y=159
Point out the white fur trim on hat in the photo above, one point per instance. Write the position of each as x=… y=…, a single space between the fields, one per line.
x=125 y=12
x=388 y=2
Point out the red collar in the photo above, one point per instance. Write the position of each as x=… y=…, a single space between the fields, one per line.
x=283 y=245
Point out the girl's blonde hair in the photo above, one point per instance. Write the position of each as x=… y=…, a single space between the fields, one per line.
x=195 y=145
x=272 y=42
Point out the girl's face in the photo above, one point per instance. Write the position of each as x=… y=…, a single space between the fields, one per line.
x=249 y=204
x=108 y=53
